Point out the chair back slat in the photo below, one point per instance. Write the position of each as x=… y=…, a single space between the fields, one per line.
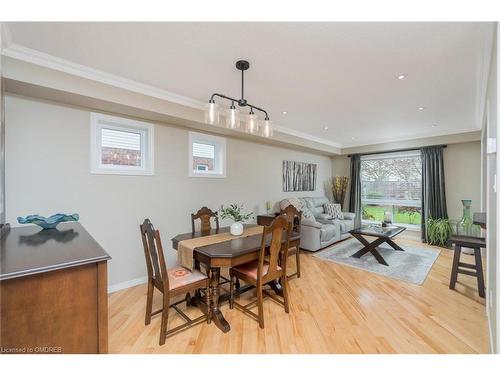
x=205 y=215
x=294 y=216
x=153 y=252
x=280 y=230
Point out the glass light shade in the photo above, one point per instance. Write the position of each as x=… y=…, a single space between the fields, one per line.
x=267 y=129
x=212 y=113
x=232 y=118
x=252 y=124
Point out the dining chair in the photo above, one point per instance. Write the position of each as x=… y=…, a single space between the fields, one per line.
x=170 y=282
x=205 y=215
x=294 y=217
x=260 y=272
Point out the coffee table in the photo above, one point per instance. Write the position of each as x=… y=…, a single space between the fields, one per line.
x=381 y=234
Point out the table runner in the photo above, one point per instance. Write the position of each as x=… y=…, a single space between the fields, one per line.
x=186 y=247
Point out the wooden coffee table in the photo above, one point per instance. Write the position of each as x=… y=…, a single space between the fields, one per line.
x=381 y=234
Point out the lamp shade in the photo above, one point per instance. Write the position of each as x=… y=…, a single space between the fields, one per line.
x=212 y=113
x=267 y=129
x=252 y=124
x=232 y=118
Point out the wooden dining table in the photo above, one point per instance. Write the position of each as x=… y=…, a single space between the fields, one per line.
x=226 y=254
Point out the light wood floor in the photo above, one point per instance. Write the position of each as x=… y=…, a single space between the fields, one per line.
x=334 y=309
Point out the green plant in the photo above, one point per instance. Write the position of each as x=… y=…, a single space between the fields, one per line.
x=235 y=212
x=438 y=231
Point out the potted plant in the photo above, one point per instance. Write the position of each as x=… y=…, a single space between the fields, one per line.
x=438 y=231
x=235 y=213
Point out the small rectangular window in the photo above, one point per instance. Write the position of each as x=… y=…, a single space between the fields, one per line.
x=207 y=155
x=121 y=146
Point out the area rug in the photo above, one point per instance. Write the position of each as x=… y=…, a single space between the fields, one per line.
x=411 y=265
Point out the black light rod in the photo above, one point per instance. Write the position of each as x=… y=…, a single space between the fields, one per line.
x=238 y=100
x=393 y=151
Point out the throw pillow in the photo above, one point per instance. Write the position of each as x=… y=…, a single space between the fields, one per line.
x=284 y=203
x=334 y=210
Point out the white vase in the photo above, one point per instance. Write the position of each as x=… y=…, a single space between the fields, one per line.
x=236 y=228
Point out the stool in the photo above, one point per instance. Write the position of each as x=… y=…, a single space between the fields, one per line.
x=458 y=267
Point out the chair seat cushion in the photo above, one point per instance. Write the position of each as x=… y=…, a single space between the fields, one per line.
x=180 y=276
x=250 y=269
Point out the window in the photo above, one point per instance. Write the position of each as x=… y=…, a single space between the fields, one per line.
x=207 y=155
x=392 y=182
x=121 y=146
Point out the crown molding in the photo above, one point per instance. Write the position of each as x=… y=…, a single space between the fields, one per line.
x=5 y=36
x=299 y=134
x=483 y=73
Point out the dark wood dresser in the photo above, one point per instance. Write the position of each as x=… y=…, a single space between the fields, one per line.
x=53 y=291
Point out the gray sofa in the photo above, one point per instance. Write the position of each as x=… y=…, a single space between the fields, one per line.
x=317 y=229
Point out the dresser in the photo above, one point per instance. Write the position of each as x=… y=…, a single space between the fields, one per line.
x=53 y=291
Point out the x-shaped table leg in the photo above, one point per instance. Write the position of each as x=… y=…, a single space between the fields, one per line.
x=372 y=248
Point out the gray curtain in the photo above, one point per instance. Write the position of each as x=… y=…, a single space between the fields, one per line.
x=433 y=188
x=355 y=191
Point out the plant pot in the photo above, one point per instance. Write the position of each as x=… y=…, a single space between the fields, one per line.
x=236 y=228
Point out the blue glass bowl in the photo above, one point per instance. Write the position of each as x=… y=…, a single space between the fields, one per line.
x=47 y=222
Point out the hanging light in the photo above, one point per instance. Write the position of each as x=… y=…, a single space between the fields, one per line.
x=267 y=129
x=252 y=123
x=212 y=113
x=232 y=117
x=232 y=120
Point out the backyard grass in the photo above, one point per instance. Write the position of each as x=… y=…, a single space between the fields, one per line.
x=398 y=217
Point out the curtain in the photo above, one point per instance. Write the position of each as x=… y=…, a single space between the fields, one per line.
x=433 y=188
x=355 y=191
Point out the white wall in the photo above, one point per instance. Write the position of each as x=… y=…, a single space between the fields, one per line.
x=48 y=171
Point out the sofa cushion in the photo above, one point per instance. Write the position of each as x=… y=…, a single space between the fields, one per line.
x=315 y=204
x=334 y=210
x=327 y=232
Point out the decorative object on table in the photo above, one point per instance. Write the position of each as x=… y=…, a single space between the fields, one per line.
x=269 y=205
x=438 y=231
x=235 y=212
x=334 y=210
x=47 y=222
x=338 y=185
x=387 y=219
x=299 y=176
x=464 y=226
x=253 y=124
x=412 y=265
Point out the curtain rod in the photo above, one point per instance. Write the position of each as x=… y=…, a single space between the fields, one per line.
x=388 y=152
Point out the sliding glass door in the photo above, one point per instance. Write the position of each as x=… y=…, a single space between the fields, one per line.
x=392 y=183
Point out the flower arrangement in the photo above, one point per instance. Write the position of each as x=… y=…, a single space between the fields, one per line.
x=235 y=212
x=338 y=185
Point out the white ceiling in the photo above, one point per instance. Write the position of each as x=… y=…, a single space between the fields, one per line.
x=339 y=75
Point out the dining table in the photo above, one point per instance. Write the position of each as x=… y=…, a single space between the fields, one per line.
x=230 y=253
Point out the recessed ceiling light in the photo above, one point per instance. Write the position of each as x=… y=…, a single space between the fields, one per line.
x=421 y=108
x=325 y=127
x=285 y=112
x=401 y=76
x=353 y=138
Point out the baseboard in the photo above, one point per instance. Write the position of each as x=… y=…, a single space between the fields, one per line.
x=127 y=284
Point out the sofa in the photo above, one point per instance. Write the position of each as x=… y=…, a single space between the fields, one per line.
x=318 y=230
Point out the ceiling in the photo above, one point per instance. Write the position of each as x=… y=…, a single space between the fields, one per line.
x=336 y=75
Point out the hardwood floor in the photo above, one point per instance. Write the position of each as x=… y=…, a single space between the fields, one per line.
x=333 y=309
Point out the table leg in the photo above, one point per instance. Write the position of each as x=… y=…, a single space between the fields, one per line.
x=454 y=267
x=394 y=245
x=370 y=247
x=217 y=316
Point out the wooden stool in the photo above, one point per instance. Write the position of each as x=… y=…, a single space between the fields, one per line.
x=476 y=244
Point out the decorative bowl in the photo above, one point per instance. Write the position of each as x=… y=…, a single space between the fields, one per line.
x=47 y=222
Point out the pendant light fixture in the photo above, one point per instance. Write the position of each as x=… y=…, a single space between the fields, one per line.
x=253 y=124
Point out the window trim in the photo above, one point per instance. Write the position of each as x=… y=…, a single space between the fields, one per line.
x=392 y=155
x=146 y=130
x=220 y=155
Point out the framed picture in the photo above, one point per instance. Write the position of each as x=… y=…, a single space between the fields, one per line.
x=299 y=176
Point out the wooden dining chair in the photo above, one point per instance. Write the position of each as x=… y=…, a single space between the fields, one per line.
x=205 y=215
x=260 y=272
x=294 y=217
x=170 y=282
